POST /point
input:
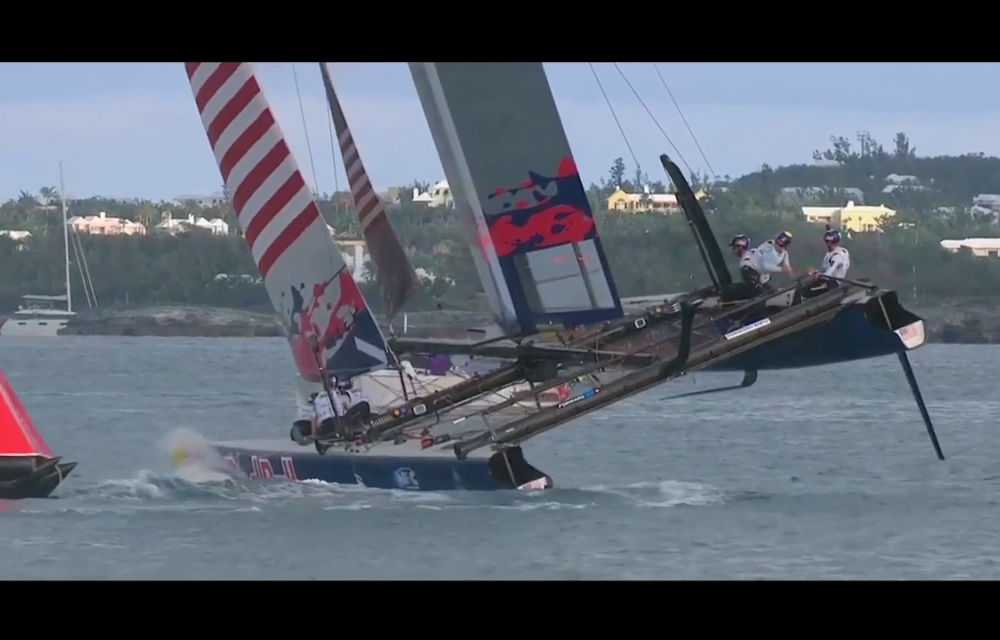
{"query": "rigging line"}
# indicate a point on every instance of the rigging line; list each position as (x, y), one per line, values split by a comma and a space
(331, 256)
(670, 93)
(614, 115)
(305, 128)
(655, 121)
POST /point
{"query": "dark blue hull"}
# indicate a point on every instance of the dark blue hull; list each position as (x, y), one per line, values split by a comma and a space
(848, 336)
(400, 467)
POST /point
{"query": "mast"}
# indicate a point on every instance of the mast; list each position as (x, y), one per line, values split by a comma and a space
(65, 226)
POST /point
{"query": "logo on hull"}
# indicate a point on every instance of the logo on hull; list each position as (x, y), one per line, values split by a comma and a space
(542, 211)
(261, 468)
(406, 478)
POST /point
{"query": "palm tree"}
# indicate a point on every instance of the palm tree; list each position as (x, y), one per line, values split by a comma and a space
(48, 196)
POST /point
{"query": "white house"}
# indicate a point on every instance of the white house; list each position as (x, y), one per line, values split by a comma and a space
(438, 196)
(982, 247)
(170, 225)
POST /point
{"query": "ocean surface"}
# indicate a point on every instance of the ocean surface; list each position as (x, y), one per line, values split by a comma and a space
(822, 473)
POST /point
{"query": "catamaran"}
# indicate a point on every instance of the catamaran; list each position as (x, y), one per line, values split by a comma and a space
(539, 255)
(27, 467)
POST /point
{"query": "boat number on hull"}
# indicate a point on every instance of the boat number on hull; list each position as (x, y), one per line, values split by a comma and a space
(261, 468)
(742, 331)
(406, 478)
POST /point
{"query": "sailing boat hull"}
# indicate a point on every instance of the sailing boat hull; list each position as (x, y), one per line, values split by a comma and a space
(16, 327)
(386, 466)
(23, 477)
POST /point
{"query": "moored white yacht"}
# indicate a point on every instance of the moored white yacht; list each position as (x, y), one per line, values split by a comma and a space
(40, 315)
(37, 317)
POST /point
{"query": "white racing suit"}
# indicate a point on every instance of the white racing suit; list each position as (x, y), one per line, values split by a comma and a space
(326, 412)
(769, 258)
(305, 422)
(750, 284)
(355, 406)
(835, 265)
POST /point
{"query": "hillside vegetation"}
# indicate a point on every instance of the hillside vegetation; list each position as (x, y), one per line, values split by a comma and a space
(650, 253)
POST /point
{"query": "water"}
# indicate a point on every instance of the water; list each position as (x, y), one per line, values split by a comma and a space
(822, 473)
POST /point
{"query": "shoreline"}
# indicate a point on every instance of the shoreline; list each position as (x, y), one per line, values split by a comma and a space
(960, 324)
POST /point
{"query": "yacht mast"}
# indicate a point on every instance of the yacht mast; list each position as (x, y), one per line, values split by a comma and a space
(65, 226)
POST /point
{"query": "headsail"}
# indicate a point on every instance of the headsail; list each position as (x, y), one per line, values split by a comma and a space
(305, 275)
(511, 172)
(396, 276)
(18, 435)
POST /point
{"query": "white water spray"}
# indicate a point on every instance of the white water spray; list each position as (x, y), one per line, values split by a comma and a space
(194, 459)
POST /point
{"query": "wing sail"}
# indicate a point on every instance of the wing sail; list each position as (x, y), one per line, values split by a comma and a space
(305, 274)
(396, 276)
(514, 181)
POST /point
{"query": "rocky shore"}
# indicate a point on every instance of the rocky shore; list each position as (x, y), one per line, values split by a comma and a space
(175, 321)
(977, 323)
(960, 324)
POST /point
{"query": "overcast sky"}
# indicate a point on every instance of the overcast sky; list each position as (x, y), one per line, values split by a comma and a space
(133, 129)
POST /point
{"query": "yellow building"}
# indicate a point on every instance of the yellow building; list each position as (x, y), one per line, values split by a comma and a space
(642, 202)
(856, 218)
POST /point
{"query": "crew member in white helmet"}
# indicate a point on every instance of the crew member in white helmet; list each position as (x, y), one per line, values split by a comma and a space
(329, 408)
(836, 262)
(749, 285)
(305, 420)
(772, 257)
(355, 406)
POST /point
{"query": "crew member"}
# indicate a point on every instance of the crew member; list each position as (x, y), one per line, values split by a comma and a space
(305, 420)
(356, 407)
(328, 409)
(749, 285)
(836, 262)
(772, 257)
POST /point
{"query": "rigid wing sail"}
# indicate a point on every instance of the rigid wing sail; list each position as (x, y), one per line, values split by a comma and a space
(517, 189)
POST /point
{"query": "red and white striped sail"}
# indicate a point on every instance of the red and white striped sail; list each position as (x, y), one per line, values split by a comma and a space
(395, 274)
(304, 272)
(18, 435)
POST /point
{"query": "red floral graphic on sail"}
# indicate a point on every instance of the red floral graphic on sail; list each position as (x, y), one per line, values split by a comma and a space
(544, 211)
(323, 314)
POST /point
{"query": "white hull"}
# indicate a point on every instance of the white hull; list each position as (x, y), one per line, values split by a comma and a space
(32, 328)
(385, 389)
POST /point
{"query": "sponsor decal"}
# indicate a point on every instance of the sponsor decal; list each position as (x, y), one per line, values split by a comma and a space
(742, 331)
(406, 478)
(261, 468)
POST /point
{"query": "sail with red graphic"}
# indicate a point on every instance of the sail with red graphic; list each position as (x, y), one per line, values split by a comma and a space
(518, 191)
(18, 435)
(304, 272)
(394, 272)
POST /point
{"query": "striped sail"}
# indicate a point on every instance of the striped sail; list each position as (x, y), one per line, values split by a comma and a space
(327, 319)
(395, 274)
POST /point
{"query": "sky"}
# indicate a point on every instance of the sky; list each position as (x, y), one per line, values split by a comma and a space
(132, 129)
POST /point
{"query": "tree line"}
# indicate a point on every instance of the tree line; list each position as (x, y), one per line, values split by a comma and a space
(649, 253)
